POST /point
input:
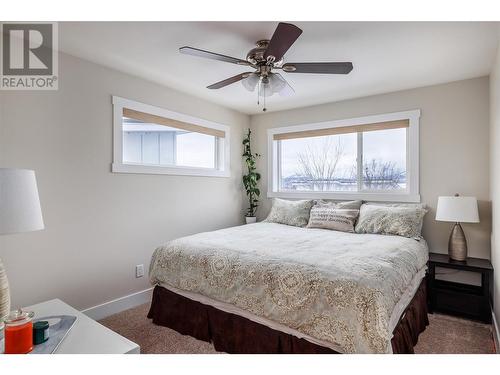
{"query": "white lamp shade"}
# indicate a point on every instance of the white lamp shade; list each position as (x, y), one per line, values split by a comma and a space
(19, 202)
(457, 209)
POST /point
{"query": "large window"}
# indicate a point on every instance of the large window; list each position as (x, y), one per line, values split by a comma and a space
(373, 158)
(149, 139)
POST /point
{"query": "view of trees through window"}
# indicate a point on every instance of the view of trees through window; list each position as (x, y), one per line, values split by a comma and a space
(329, 163)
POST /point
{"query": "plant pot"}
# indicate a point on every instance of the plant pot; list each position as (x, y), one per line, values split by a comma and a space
(250, 219)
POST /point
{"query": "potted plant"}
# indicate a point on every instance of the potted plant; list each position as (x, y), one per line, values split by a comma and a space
(251, 179)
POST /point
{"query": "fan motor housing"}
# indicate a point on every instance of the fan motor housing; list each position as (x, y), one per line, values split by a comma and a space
(256, 55)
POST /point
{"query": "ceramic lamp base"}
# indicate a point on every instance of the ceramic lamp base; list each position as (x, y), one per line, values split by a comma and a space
(4, 294)
(457, 245)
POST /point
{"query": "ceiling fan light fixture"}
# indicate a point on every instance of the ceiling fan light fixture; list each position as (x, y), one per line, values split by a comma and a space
(250, 82)
(276, 83)
(271, 84)
(266, 57)
(265, 88)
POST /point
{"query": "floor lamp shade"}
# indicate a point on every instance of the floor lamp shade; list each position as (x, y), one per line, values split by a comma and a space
(19, 212)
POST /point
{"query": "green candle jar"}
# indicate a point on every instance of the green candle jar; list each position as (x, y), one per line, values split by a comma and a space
(40, 332)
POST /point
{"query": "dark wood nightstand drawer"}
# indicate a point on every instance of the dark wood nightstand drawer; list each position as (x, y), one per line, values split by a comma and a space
(456, 303)
(468, 301)
(458, 287)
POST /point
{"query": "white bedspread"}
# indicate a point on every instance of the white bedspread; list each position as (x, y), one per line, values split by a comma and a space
(339, 288)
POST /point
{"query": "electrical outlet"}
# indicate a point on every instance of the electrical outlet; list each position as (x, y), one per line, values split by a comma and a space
(139, 270)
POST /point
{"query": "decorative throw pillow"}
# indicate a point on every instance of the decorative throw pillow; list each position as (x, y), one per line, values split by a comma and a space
(400, 221)
(327, 216)
(352, 205)
(403, 205)
(294, 213)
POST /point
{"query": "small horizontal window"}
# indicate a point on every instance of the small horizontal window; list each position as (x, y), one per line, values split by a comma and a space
(153, 140)
(372, 158)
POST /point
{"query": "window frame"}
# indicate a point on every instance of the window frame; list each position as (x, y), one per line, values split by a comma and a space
(410, 194)
(222, 145)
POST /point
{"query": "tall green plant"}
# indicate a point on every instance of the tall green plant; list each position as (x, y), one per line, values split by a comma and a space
(251, 179)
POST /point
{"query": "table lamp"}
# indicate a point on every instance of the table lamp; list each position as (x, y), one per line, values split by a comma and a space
(19, 212)
(457, 209)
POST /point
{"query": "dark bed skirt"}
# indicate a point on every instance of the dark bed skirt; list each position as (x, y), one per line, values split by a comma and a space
(232, 333)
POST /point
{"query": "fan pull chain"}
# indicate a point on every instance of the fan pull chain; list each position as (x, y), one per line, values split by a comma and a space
(258, 93)
(258, 96)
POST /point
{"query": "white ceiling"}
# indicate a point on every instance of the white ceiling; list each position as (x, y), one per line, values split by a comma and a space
(387, 56)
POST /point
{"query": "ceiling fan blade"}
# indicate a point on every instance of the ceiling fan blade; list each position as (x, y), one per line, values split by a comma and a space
(318, 67)
(287, 90)
(283, 38)
(212, 55)
(229, 81)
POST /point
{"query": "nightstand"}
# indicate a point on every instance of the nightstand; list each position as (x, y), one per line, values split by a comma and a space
(86, 336)
(468, 301)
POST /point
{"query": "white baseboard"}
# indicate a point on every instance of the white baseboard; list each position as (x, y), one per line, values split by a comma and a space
(496, 334)
(118, 305)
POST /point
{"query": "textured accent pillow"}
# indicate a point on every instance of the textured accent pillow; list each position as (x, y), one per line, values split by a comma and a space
(400, 221)
(327, 216)
(353, 205)
(404, 205)
(294, 213)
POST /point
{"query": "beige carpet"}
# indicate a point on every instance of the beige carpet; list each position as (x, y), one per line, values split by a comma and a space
(445, 334)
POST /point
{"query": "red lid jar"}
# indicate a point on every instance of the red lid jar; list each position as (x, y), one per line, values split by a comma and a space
(19, 332)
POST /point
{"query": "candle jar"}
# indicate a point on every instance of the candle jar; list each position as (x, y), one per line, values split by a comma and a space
(18, 332)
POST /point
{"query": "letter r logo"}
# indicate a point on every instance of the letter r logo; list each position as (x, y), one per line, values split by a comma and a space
(27, 49)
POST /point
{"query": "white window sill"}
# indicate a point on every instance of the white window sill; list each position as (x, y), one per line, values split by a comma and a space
(171, 170)
(366, 196)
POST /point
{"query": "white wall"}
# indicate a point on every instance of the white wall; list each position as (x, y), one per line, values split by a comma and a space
(495, 176)
(99, 225)
(454, 152)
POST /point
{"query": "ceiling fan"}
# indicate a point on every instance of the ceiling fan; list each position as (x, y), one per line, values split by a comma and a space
(265, 58)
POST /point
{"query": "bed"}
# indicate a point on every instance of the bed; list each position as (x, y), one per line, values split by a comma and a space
(277, 288)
